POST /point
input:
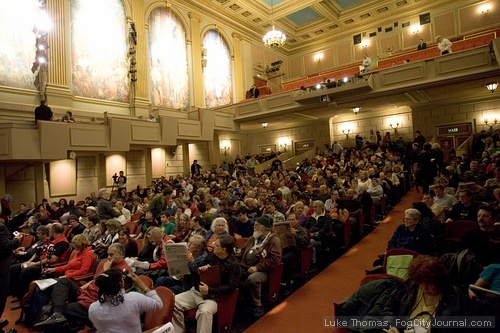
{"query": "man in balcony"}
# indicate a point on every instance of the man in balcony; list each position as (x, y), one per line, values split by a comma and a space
(443, 44)
(43, 112)
(421, 45)
(365, 65)
(254, 92)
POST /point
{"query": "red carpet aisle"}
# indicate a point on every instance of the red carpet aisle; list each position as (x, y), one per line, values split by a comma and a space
(305, 310)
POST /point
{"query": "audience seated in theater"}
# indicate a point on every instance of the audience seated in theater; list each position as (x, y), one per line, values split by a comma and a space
(291, 254)
(375, 191)
(155, 265)
(166, 224)
(104, 207)
(495, 181)
(119, 206)
(485, 241)
(444, 200)
(219, 227)
(273, 212)
(319, 225)
(411, 235)
(438, 210)
(195, 228)
(80, 264)
(76, 227)
(261, 253)
(70, 303)
(23, 254)
(93, 230)
(21, 275)
(130, 245)
(474, 174)
(144, 223)
(202, 296)
(465, 208)
(108, 237)
(244, 226)
(427, 292)
(195, 255)
(182, 228)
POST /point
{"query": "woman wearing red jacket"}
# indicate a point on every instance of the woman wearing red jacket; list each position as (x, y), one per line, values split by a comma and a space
(82, 263)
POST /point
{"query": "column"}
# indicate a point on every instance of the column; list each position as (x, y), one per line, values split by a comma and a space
(58, 78)
(148, 166)
(197, 78)
(186, 165)
(238, 68)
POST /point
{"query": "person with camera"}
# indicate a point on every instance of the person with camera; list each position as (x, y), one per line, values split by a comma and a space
(121, 182)
(6, 246)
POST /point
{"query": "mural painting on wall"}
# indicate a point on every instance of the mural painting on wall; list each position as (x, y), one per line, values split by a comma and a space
(168, 60)
(217, 79)
(99, 49)
(17, 40)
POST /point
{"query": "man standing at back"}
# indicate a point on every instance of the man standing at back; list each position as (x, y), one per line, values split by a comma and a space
(195, 168)
(43, 112)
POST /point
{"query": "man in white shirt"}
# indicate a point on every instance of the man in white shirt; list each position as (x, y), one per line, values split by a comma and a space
(126, 213)
(366, 63)
(444, 200)
(443, 44)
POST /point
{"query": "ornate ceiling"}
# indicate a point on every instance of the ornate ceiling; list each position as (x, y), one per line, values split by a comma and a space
(314, 21)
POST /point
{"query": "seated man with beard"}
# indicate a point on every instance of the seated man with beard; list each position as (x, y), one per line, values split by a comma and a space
(261, 253)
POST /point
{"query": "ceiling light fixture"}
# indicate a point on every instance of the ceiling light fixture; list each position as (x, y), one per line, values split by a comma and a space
(264, 124)
(355, 109)
(274, 38)
(492, 86)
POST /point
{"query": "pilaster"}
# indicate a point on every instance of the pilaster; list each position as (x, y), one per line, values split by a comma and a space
(238, 67)
(199, 100)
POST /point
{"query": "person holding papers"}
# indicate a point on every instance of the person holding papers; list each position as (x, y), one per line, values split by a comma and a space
(202, 296)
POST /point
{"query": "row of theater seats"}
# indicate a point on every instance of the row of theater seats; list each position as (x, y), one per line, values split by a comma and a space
(461, 43)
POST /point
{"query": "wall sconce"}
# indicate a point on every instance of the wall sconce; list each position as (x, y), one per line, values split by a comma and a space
(416, 30)
(485, 9)
(264, 124)
(226, 146)
(355, 109)
(346, 131)
(318, 57)
(394, 127)
(283, 145)
(492, 86)
(492, 123)
(364, 45)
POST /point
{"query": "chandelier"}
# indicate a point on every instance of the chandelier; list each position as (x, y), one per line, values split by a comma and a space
(274, 38)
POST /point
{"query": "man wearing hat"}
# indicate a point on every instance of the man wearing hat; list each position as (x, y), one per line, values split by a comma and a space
(261, 253)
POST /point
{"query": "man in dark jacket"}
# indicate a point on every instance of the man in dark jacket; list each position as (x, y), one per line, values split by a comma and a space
(104, 207)
(319, 225)
(202, 296)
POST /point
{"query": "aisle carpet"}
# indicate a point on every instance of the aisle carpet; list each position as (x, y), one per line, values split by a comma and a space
(311, 306)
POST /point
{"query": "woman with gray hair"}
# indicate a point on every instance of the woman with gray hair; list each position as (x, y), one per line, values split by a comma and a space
(219, 227)
(411, 235)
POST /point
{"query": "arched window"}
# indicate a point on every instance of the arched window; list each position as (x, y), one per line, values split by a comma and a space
(99, 49)
(217, 80)
(169, 85)
(17, 40)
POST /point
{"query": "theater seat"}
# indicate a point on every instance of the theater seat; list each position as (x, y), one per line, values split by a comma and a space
(223, 320)
(163, 315)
